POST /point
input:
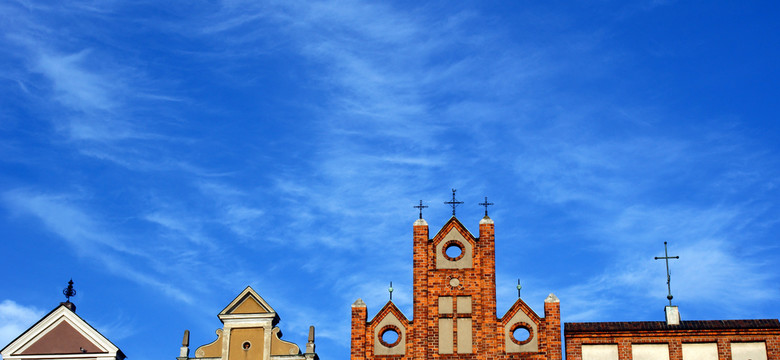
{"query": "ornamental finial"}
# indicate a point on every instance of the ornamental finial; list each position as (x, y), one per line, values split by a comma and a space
(69, 292)
(390, 289)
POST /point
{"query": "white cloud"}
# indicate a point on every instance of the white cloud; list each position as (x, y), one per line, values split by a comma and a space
(16, 318)
(77, 87)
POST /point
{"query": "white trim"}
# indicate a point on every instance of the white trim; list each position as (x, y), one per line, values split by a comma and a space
(44, 326)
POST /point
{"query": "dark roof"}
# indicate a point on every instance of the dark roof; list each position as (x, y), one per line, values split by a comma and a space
(661, 325)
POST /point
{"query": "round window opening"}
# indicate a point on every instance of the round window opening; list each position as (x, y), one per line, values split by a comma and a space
(521, 334)
(246, 345)
(453, 250)
(390, 336)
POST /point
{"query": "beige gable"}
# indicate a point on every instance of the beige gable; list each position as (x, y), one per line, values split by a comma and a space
(247, 302)
(248, 306)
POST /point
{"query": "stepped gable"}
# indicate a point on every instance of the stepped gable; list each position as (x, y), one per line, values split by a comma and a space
(454, 306)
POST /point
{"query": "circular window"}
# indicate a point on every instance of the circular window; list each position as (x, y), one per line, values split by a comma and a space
(390, 336)
(521, 333)
(246, 345)
(453, 250)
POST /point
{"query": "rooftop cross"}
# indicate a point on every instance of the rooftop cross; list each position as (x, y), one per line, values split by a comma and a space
(453, 202)
(69, 292)
(668, 276)
(421, 206)
(486, 204)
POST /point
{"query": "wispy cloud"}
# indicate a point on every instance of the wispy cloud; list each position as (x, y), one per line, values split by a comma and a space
(16, 318)
(86, 235)
(77, 87)
(716, 266)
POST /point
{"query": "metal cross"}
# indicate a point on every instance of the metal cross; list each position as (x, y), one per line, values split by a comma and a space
(668, 276)
(421, 206)
(453, 202)
(69, 292)
(486, 204)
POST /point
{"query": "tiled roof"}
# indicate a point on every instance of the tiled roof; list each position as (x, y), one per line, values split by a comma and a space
(661, 325)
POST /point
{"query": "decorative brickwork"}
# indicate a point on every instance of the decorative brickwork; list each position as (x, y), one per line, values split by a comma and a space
(454, 311)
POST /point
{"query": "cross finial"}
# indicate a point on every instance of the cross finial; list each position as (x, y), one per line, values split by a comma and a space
(390, 289)
(486, 204)
(69, 292)
(421, 206)
(454, 203)
(668, 276)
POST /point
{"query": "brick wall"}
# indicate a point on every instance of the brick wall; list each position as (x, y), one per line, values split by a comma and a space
(723, 334)
(478, 282)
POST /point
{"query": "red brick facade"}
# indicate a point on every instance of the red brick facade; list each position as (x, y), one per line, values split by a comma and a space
(720, 332)
(454, 310)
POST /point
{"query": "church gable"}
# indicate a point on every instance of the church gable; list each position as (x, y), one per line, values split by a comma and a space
(454, 225)
(454, 305)
(389, 331)
(521, 328)
(454, 246)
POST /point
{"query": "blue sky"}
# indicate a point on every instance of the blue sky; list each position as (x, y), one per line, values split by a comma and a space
(167, 154)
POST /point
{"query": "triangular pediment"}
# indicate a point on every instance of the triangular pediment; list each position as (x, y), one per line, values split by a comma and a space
(521, 307)
(61, 332)
(454, 225)
(389, 310)
(249, 305)
(62, 338)
(247, 302)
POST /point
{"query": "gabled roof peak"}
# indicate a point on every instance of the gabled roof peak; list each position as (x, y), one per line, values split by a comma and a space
(454, 223)
(61, 331)
(247, 302)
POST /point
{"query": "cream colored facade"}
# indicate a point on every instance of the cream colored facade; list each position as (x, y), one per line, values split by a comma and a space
(249, 332)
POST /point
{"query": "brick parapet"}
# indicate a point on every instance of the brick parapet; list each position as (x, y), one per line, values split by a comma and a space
(421, 263)
(358, 341)
(674, 338)
(552, 322)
